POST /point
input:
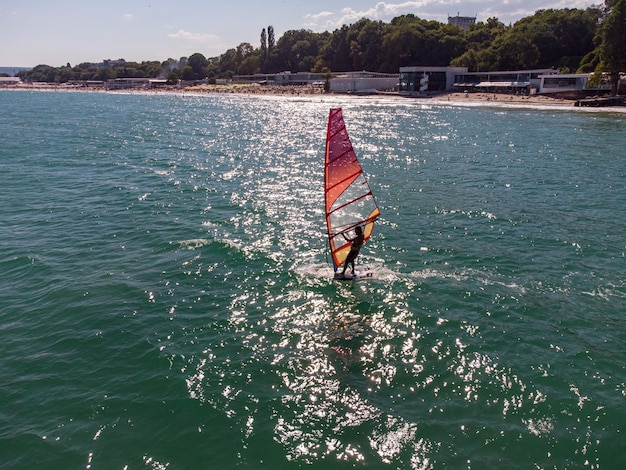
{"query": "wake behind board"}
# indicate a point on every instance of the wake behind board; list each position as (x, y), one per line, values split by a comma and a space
(359, 275)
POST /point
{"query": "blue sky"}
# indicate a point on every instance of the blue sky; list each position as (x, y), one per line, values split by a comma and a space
(49, 32)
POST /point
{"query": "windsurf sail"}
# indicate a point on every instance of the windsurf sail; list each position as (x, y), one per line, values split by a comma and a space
(349, 200)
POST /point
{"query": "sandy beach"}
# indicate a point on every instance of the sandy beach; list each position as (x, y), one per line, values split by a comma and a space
(452, 98)
(499, 100)
(506, 99)
(490, 98)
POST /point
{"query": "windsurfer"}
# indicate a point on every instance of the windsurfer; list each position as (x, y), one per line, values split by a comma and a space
(357, 243)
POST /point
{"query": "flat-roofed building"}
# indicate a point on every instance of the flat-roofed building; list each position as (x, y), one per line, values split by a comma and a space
(463, 22)
(10, 81)
(130, 83)
(507, 81)
(417, 79)
(570, 82)
(340, 82)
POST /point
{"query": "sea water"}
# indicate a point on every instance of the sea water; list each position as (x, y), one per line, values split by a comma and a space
(166, 298)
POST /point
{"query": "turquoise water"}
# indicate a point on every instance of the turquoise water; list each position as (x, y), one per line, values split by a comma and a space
(165, 299)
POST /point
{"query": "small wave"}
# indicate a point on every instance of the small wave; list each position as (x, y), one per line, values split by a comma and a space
(317, 270)
(509, 285)
(470, 214)
(325, 271)
(603, 293)
(434, 273)
(232, 244)
(194, 243)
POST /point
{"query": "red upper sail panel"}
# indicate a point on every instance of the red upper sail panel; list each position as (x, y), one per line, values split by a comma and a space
(342, 166)
(348, 199)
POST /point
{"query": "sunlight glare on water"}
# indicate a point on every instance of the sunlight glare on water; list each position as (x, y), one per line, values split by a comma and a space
(404, 362)
(184, 312)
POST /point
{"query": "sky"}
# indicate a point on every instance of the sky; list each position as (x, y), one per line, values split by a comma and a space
(55, 33)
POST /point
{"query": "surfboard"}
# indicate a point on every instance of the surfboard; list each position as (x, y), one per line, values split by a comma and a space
(359, 275)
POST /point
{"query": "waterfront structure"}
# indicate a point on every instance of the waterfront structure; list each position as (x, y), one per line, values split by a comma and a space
(419, 79)
(10, 81)
(425, 80)
(571, 84)
(282, 78)
(133, 83)
(364, 82)
(509, 81)
(340, 82)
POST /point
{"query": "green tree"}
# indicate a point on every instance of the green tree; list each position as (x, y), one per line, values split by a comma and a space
(326, 75)
(409, 40)
(297, 51)
(104, 74)
(271, 41)
(173, 77)
(85, 71)
(228, 63)
(334, 53)
(485, 34)
(264, 43)
(244, 50)
(187, 73)
(442, 43)
(365, 38)
(198, 64)
(250, 65)
(562, 37)
(402, 41)
(479, 54)
(613, 48)
(516, 51)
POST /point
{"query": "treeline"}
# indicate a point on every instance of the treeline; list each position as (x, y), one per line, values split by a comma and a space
(572, 40)
(92, 72)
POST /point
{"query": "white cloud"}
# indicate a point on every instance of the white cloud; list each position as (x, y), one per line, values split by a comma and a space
(384, 11)
(197, 38)
(316, 20)
(507, 11)
(380, 11)
(127, 17)
(319, 16)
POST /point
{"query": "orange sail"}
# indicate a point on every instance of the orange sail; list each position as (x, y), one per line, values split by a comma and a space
(349, 200)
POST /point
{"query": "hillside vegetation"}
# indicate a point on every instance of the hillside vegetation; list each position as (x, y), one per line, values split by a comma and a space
(571, 40)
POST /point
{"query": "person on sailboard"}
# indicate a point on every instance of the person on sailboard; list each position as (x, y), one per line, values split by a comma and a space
(357, 243)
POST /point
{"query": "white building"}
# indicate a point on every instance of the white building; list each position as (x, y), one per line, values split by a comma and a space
(569, 83)
(10, 81)
(503, 81)
(363, 82)
(463, 22)
(341, 82)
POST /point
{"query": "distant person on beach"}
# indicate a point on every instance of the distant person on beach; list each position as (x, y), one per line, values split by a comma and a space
(357, 243)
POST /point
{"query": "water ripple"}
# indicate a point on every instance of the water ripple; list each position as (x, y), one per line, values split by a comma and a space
(166, 298)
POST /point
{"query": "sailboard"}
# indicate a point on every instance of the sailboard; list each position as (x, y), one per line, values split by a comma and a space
(349, 202)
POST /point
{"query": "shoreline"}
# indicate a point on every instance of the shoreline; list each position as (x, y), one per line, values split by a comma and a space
(482, 100)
